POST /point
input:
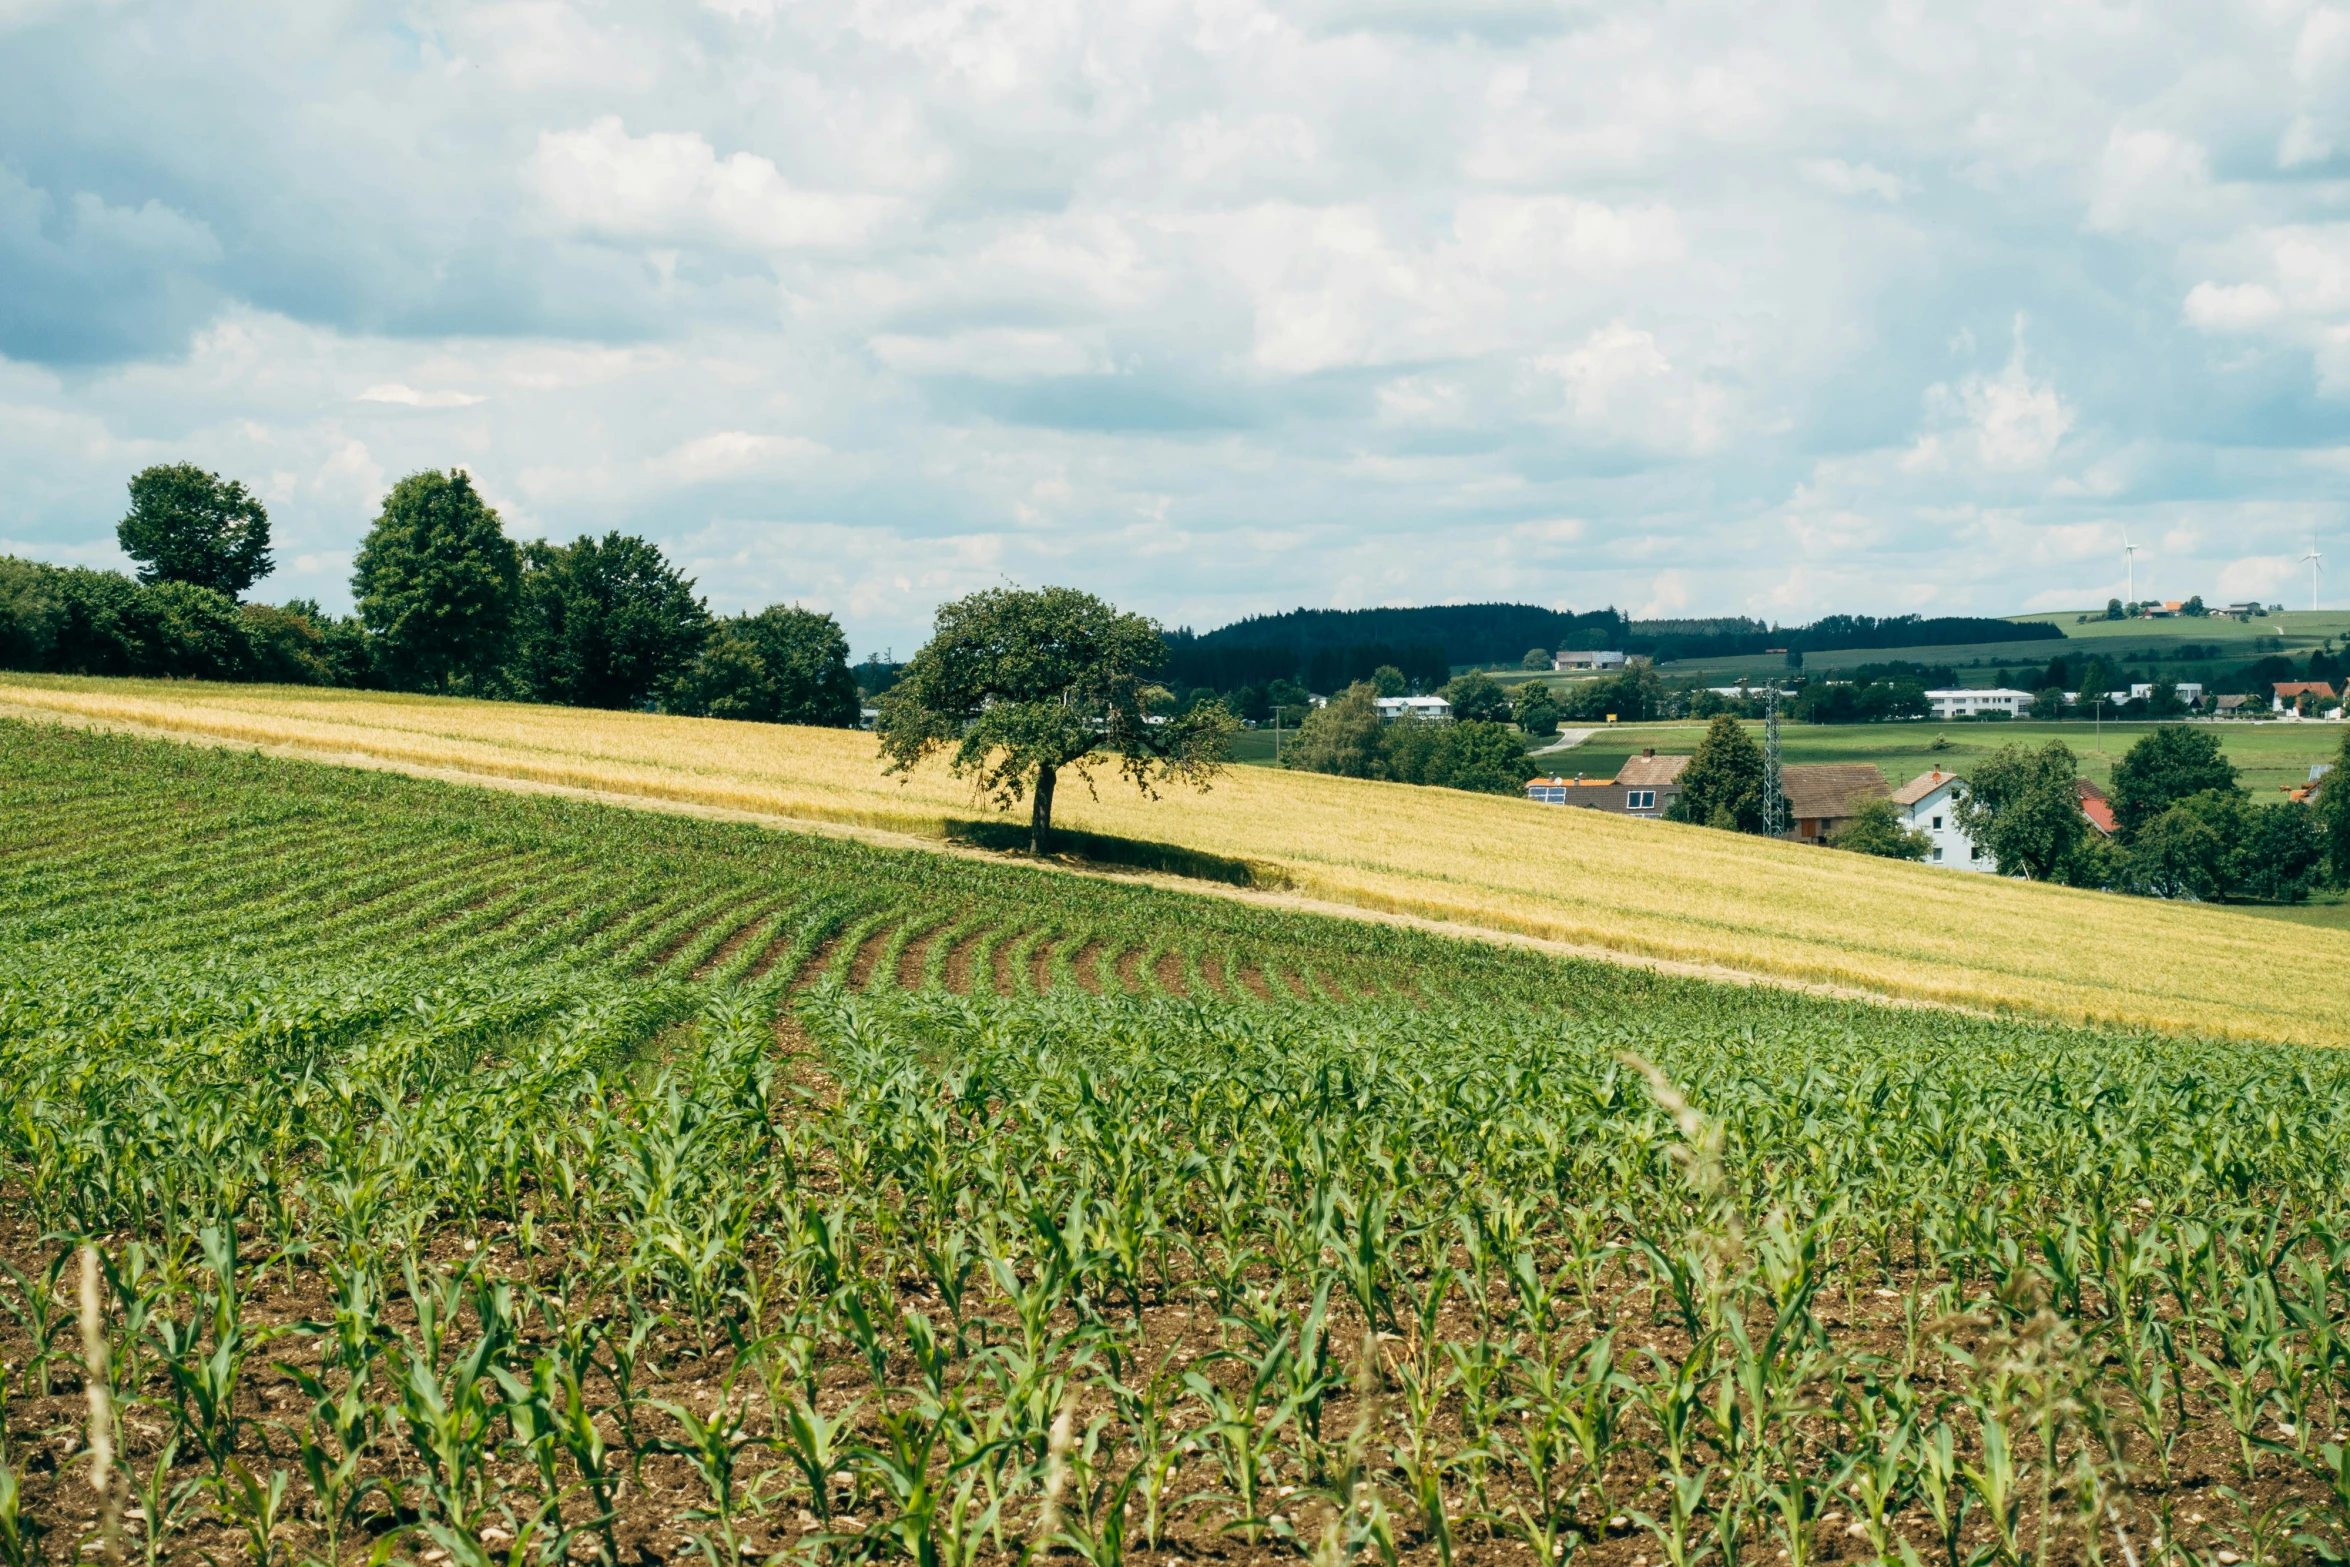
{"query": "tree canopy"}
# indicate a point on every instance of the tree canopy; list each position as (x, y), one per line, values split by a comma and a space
(1875, 828)
(436, 582)
(1477, 697)
(2023, 809)
(186, 525)
(1016, 685)
(2166, 766)
(784, 665)
(604, 623)
(1723, 784)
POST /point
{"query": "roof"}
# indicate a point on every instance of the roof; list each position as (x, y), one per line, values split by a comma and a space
(1648, 772)
(1984, 693)
(2296, 687)
(1922, 785)
(1829, 789)
(1411, 701)
(2096, 807)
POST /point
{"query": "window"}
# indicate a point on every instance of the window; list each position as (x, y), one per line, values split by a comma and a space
(1937, 824)
(1974, 852)
(1639, 799)
(1937, 851)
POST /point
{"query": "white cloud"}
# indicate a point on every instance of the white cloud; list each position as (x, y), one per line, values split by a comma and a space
(1854, 179)
(993, 353)
(1215, 307)
(409, 397)
(672, 187)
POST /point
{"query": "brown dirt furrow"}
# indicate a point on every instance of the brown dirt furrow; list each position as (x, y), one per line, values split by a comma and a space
(733, 945)
(673, 948)
(1254, 981)
(1040, 967)
(1298, 986)
(1129, 970)
(1086, 965)
(1212, 975)
(1006, 982)
(915, 957)
(777, 945)
(959, 963)
(1169, 971)
(819, 961)
(868, 956)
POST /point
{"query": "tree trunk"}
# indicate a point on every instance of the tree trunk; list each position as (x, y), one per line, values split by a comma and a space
(1040, 814)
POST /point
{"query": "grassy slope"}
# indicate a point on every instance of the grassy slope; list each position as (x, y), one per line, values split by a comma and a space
(1602, 882)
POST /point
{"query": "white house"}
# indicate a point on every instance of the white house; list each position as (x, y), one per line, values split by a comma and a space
(1426, 709)
(1967, 703)
(1582, 659)
(2190, 692)
(1928, 804)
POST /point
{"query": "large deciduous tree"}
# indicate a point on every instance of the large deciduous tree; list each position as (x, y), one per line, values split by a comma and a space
(604, 623)
(2023, 808)
(186, 525)
(784, 665)
(2169, 765)
(1018, 685)
(1723, 784)
(1477, 698)
(436, 582)
(1344, 737)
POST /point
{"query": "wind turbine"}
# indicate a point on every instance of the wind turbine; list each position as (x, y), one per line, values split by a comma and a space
(2130, 559)
(2312, 561)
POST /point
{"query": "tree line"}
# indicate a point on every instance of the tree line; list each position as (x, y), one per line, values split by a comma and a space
(443, 601)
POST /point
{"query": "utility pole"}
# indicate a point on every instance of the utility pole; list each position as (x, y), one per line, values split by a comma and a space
(1773, 826)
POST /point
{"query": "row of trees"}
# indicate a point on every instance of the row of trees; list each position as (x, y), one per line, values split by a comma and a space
(1349, 738)
(444, 600)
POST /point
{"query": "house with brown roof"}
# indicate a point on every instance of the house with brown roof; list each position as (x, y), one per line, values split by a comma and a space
(1644, 786)
(1822, 796)
(2288, 693)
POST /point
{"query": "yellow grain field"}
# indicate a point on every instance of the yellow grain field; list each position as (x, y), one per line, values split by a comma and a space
(1642, 888)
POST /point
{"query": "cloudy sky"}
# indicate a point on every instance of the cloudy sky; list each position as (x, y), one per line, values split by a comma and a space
(1211, 306)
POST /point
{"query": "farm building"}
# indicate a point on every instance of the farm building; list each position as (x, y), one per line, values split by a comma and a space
(2096, 807)
(1821, 796)
(1965, 702)
(1586, 659)
(1644, 786)
(1422, 709)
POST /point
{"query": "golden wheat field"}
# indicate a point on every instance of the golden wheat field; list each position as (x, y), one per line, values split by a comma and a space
(1647, 889)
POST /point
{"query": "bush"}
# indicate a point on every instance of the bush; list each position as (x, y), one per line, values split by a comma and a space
(1876, 829)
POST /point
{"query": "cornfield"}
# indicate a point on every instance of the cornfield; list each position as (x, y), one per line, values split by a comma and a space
(401, 1172)
(1606, 884)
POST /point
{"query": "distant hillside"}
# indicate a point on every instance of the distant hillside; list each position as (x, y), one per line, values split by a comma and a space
(1324, 648)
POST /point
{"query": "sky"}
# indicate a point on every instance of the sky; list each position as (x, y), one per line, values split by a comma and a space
(1212, 307)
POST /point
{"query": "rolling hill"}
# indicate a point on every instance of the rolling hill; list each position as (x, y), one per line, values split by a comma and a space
(1632, 889)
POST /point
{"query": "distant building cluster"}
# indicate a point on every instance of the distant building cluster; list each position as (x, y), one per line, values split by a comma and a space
(1822, 798)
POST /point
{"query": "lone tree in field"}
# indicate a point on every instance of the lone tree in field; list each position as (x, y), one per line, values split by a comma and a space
(186, 525)
(1019, 685)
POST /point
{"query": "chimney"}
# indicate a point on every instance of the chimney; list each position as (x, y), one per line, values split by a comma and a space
(1649, 751)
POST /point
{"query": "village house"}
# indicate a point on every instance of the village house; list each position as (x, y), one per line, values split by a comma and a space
(2096, 807)
(1928, 804)
(1423, 709)
(2287, 694)
(1586, 659)
(1644, 786)
(1822, 796)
